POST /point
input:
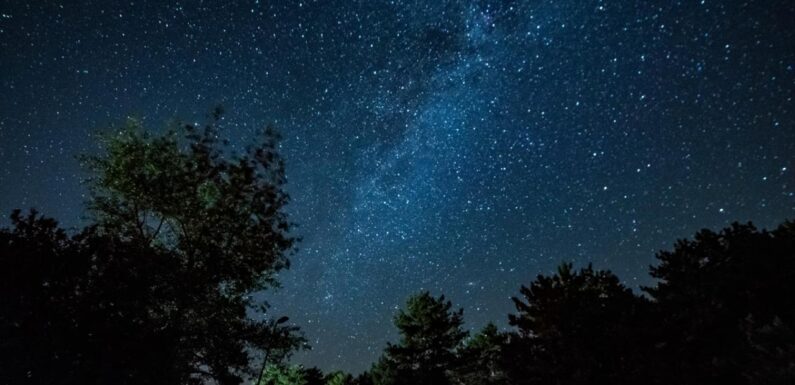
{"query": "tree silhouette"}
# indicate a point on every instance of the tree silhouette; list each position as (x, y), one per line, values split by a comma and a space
(772, 353)
(364, 378)
(219, 220)
(717, 295)
(314, 376)
(76, 309)
(27, 315)
(383, 372)
(481, 358)
(719, 314)
(575, 327)
(159, 289)
(222, 217)
(430, 332)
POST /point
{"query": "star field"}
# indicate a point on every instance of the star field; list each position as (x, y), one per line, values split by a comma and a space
(458, 147)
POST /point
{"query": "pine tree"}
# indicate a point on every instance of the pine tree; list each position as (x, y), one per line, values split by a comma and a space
(430, 333)
(481, 359)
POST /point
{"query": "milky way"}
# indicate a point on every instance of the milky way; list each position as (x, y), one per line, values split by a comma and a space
(457, 147)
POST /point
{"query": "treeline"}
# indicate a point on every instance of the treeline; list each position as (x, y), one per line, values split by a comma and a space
(157, 289)
(722, 313)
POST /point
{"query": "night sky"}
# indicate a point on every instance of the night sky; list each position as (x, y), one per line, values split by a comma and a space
(458, 147)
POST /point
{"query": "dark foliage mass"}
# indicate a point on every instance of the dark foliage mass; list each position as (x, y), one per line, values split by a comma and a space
(158, 290)
(724, 305)
(722, 313)
(430, 332)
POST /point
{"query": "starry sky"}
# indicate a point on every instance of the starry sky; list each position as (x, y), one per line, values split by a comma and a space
(460, 147)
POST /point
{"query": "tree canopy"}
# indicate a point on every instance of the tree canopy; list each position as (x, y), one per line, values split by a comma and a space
(158, 289)
(720, 298)
(430, 332)
(718, 314)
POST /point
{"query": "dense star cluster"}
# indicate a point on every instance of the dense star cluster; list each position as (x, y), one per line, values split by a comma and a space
(453, 146)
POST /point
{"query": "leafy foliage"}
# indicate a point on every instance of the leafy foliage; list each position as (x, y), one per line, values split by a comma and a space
(221, 216)
(283, 375)
(159, 289)
(339, 378)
